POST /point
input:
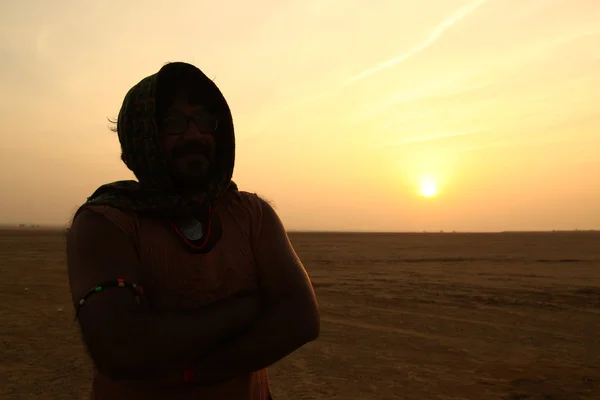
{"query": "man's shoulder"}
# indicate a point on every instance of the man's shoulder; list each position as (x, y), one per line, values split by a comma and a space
(242, 198)
(247, 204)
(252, 201)
(89, 217)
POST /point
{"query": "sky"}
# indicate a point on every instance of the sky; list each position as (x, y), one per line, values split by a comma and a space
(345, 110)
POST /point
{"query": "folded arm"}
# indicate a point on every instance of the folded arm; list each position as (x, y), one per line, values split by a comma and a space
(127, 340)
(289, 315)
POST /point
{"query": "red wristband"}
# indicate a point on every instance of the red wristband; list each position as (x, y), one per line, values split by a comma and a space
(188, 375)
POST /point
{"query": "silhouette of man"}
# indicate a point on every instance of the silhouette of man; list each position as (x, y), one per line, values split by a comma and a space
(185, 287)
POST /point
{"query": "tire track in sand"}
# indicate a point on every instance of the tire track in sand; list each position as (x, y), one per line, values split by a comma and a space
(381, 328)
(557, 335)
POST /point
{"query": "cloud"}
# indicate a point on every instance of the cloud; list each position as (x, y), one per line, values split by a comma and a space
(431, 138)
(431, 39)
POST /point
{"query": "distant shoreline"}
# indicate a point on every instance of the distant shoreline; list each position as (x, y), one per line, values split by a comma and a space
(29, 228)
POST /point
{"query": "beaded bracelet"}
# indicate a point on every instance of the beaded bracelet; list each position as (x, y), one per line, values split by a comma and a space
(135, 289)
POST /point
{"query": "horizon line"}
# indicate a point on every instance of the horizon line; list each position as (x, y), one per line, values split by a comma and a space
(338, 231)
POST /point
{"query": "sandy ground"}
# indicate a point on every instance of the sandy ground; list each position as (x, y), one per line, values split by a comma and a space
(406, 316)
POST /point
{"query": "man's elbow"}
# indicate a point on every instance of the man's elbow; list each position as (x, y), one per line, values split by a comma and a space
(114, 358)
(308, 320)
(113, 372)
(313, 330)
(109, 364)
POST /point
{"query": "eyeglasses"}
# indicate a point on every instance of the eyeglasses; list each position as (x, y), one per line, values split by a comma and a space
(178, 125)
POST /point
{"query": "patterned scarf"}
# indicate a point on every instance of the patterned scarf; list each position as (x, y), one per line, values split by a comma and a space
(153, 193)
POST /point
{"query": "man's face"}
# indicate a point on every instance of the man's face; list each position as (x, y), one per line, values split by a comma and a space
(187, 133)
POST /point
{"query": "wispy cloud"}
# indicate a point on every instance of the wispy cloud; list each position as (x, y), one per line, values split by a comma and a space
(431, 39)
(431, 138)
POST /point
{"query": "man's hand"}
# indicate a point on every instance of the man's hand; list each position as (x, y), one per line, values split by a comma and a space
(288, 320)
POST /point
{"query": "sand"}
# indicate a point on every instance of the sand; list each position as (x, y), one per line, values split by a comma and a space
(404, 316)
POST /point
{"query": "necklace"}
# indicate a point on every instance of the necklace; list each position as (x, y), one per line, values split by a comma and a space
(191, 228)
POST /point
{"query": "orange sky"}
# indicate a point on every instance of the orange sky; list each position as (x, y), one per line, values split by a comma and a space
(341, 106)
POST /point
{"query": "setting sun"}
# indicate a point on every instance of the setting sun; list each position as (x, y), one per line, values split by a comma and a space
(428, 186)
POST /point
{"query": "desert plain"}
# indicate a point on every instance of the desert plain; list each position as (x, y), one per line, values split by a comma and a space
(415, 316)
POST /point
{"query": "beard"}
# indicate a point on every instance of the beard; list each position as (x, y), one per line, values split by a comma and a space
(191, 172)
(192, 165)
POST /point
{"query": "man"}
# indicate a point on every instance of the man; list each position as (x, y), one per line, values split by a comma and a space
(184, 286)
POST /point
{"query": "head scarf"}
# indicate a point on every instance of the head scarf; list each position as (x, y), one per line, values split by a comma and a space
(153, 193)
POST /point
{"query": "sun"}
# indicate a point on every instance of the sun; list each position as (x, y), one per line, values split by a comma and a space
(428, 186)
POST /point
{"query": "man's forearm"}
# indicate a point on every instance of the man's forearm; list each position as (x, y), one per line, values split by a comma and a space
(160, 343)
(274, 335)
